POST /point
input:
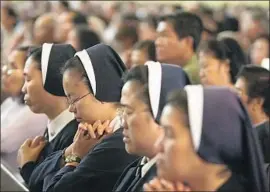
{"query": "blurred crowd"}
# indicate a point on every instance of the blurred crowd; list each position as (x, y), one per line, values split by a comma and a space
(198, 46)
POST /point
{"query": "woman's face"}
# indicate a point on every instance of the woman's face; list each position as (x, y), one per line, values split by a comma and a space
(35, 94)
(259, 51)
(212, 70)
(12, 73)
(138, 57)
(82, 103)
(175, 148)
(72, 39)
(140, 130)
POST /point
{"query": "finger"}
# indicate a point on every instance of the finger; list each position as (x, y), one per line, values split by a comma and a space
(96, 124)
(147, 187)
(41, 145)
(167, 185)
(27, 143)
(91, 131)
(180, 186)
(156, 185)
(37, 140)
(100, 129)
(186, 188)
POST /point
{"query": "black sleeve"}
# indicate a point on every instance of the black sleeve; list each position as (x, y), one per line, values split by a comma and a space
(90, 174)
(50, 165)
(98, 171)
(27, 170)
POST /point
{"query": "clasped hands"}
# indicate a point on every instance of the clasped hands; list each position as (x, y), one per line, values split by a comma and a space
(158, 184)
(88, 136)
(85, 138)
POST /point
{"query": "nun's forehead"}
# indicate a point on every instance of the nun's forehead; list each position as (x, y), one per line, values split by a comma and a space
(31, 63)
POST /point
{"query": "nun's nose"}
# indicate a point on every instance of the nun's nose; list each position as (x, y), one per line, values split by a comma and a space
(24, 88)
(159, 143)
(71, 108)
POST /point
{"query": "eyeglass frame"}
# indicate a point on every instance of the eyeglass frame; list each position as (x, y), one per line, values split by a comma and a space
(78, 99)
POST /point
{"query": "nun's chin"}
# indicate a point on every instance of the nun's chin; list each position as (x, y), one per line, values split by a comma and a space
(35, 109)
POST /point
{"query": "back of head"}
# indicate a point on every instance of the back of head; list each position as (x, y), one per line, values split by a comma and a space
(79, 19)
(87, 37)
(149, 47)
(127, 31)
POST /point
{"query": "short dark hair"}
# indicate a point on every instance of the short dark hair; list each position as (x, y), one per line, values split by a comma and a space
(127, 31)
(139, 74)
(226, 48)
(257, 84)
(149, 46)
(87, 37)
(75, 63)
(79, 19)
(186, 24)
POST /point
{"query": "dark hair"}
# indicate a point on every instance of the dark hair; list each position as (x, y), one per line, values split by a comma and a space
(87, 37)
(75, 64)
(186, 24)
(179, 100)
(127, 31)
(79, 19)
(149, 46)
(36, 53)
(230, 24)
(257, 84)
(139, 74)
(224, 49)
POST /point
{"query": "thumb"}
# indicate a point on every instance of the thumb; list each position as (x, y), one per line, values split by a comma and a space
(27, 142)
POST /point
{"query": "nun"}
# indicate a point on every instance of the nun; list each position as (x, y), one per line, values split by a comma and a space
(143, 97)
(43, 90)
(93, 162)
(209, 143)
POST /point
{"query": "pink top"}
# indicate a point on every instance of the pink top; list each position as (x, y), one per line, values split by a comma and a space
(19, 123)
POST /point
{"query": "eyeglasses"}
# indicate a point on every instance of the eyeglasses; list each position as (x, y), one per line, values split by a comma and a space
(76, 100)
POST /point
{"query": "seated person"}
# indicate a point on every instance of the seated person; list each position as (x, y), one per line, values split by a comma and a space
(42, 88)
(143, 97)
(18, 122)
(205, 148)
(98, 153)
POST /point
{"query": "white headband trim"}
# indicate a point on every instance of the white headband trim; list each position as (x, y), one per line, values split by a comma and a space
(87, 64)
(45, 56)
(195, 112)
(154, 85)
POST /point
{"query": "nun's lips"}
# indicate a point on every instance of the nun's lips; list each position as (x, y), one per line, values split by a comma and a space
(126, 138)
(78, 119)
